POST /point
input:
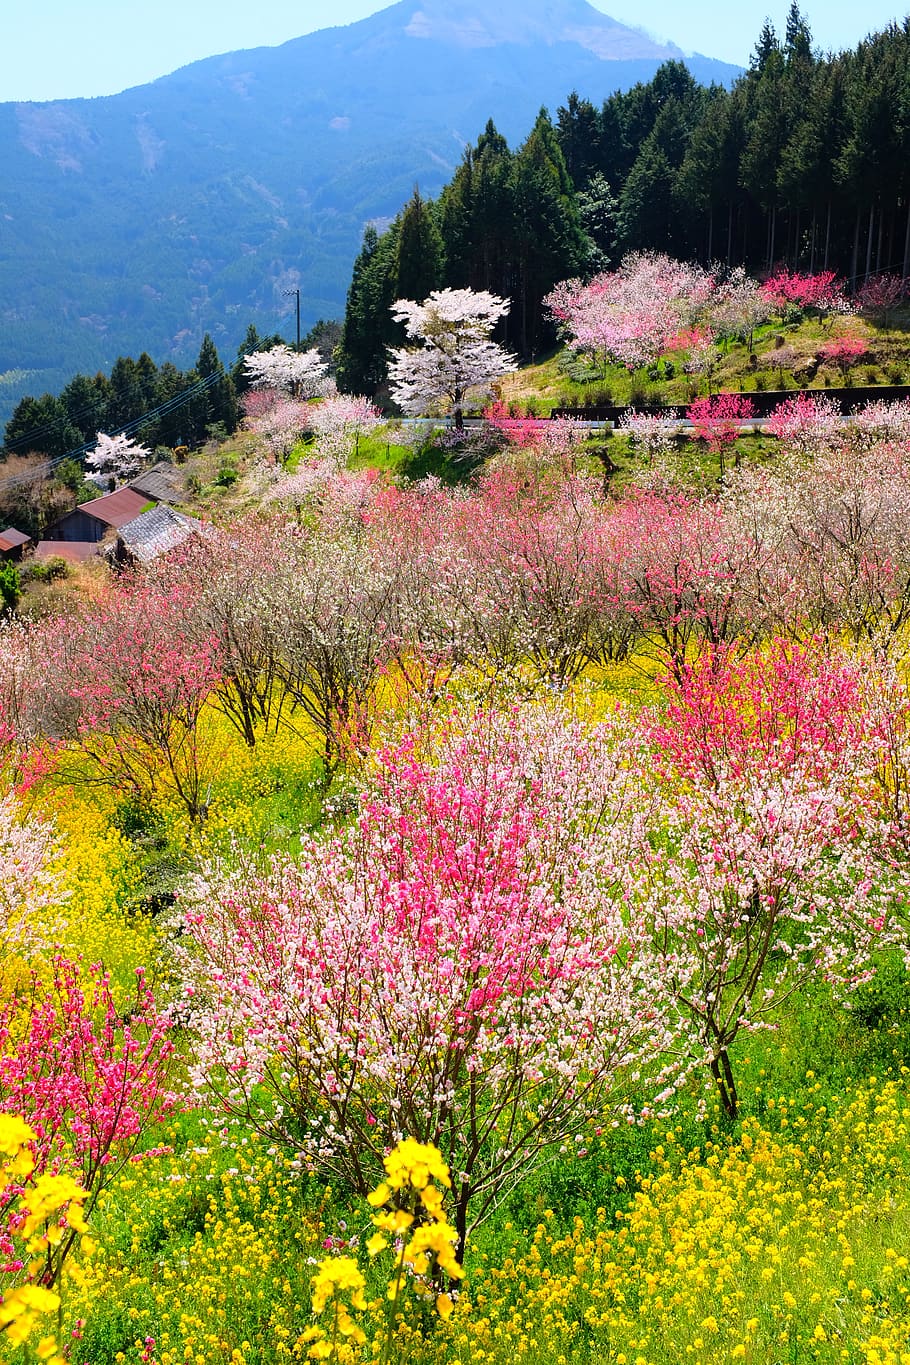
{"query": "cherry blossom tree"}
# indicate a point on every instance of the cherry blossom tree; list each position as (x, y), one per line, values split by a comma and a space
(119, 456)
(303, 374)
(456, 354)
(457, 965)
(340, 421)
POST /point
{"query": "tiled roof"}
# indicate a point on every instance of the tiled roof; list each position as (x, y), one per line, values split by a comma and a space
(163, 482)
(155, 532)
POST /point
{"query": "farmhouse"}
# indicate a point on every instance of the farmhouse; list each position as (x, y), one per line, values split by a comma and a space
(91, 521)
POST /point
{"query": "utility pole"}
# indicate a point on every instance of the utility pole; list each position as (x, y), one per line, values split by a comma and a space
(296, 292)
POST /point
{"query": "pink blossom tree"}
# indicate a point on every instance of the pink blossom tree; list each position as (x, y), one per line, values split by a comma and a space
(737, 306)
(806, 424)
(335, 614)
(341, 421)
(31, 907)
(702, 354)
(456, 354)
(629, 316)
(880, 423)
(128, 683)
(278, 421)
(687, 573)
(880, 295)
(458, 965)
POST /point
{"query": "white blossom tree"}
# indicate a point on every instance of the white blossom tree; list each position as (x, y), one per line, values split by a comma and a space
(303, 374)
(340, 421)
(456, 353)
(118, 456)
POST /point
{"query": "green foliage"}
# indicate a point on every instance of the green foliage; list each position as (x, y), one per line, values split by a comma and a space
(10, 587)
(54, 426)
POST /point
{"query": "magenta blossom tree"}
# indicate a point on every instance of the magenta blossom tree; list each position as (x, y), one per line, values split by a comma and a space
(844, 353)
(880, 295)
(717, 421)
(88, 1075)
(767, 872)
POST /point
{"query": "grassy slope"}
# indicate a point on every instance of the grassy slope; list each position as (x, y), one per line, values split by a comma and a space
(559, 380)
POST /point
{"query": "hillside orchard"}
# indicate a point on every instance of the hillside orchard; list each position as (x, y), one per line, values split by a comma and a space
(464, 918)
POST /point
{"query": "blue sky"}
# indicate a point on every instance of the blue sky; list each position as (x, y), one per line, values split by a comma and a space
(56, 49)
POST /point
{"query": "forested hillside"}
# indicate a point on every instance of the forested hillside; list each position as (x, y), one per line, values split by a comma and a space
(803, 162)
(141, 221)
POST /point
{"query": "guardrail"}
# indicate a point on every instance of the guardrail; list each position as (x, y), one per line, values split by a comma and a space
(764, 401)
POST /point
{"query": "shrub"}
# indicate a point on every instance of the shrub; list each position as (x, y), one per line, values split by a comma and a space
(10, 588)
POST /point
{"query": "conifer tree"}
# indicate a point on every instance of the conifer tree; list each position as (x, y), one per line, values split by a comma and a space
(420, 262)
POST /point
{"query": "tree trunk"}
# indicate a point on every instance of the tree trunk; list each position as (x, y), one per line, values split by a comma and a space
(827, 235)
(726, 1086)
(906, 268)
(796, 250)
(730, 232)
(869, 240)
(854, 269)
(710, 232)
(812, 240)
(461, 1222)
(878, 249)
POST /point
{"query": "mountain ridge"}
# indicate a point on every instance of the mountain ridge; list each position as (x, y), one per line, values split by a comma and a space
(190, 204)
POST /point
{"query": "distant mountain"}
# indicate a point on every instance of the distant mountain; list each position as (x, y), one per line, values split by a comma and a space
(142, 220)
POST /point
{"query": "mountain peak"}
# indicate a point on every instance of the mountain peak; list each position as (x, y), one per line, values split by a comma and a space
(476, 23)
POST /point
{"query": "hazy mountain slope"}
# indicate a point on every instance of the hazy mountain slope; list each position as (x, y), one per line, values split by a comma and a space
(143, 219)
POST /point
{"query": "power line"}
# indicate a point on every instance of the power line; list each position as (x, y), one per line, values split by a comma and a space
(128, 429)
(36, 433)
